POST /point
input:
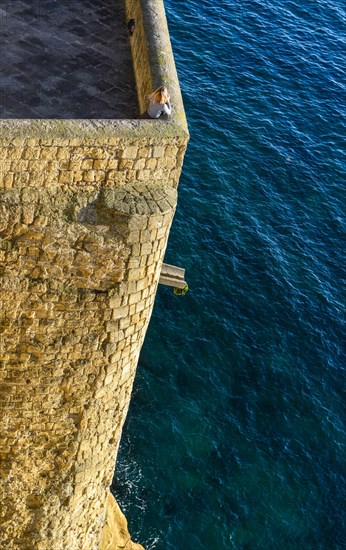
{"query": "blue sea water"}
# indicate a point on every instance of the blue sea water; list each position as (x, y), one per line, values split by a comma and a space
(235, 437)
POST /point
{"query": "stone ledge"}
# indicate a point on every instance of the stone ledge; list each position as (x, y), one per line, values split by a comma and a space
(98, 131)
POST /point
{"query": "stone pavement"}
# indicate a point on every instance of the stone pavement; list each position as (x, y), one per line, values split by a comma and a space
(65, 59)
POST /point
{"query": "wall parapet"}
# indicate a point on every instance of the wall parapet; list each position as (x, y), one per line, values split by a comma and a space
(153, 65)
(153, 58)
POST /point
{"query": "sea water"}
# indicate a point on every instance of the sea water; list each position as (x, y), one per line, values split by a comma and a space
(235, 435)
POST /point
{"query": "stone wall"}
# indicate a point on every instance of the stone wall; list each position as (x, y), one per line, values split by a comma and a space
(85, 213)
(140, 54)
(71, 163)
(152, 55)
(80, 260)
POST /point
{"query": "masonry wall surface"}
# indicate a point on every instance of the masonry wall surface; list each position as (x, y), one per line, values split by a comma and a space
(85, 213)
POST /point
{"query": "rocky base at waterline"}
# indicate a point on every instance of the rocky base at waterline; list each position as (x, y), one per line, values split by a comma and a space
(115, 535)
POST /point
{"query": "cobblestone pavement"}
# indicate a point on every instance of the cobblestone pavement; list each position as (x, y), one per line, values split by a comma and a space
(65, 59)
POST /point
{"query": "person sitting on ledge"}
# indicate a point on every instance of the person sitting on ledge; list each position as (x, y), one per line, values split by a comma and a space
(159, 103)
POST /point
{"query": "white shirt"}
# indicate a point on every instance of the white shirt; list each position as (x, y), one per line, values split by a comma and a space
(156, 109)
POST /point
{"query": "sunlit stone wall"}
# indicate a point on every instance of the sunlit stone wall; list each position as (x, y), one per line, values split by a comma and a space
(85, 213)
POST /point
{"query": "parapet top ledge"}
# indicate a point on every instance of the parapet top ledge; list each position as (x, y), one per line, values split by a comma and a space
(163, 70)
(94, 130)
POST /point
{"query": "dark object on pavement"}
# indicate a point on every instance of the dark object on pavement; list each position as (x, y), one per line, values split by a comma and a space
(131, 26)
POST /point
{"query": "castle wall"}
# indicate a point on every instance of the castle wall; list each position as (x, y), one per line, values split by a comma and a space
(85, 213)
(140, 53)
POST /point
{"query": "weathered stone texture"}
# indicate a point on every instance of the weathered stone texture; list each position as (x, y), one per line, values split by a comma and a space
(140, 53)
(80, 262)
(74, 164)
(85, 213)
(115, 535)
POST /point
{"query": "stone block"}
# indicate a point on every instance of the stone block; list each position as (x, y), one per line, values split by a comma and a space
(100, 164)
(112, 164)
(129, 152)
(144, 152)
(63, 153)
(158, 151)
(120, 312)
(134, 298)
(171, 151)
(146, 248)
(143, 175)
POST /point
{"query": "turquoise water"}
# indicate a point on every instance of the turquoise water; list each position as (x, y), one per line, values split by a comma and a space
(235, 435)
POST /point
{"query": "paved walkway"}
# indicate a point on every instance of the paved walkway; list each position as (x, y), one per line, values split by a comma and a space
(65, 59)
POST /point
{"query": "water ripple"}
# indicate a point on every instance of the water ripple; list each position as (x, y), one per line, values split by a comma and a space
(236, 434)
